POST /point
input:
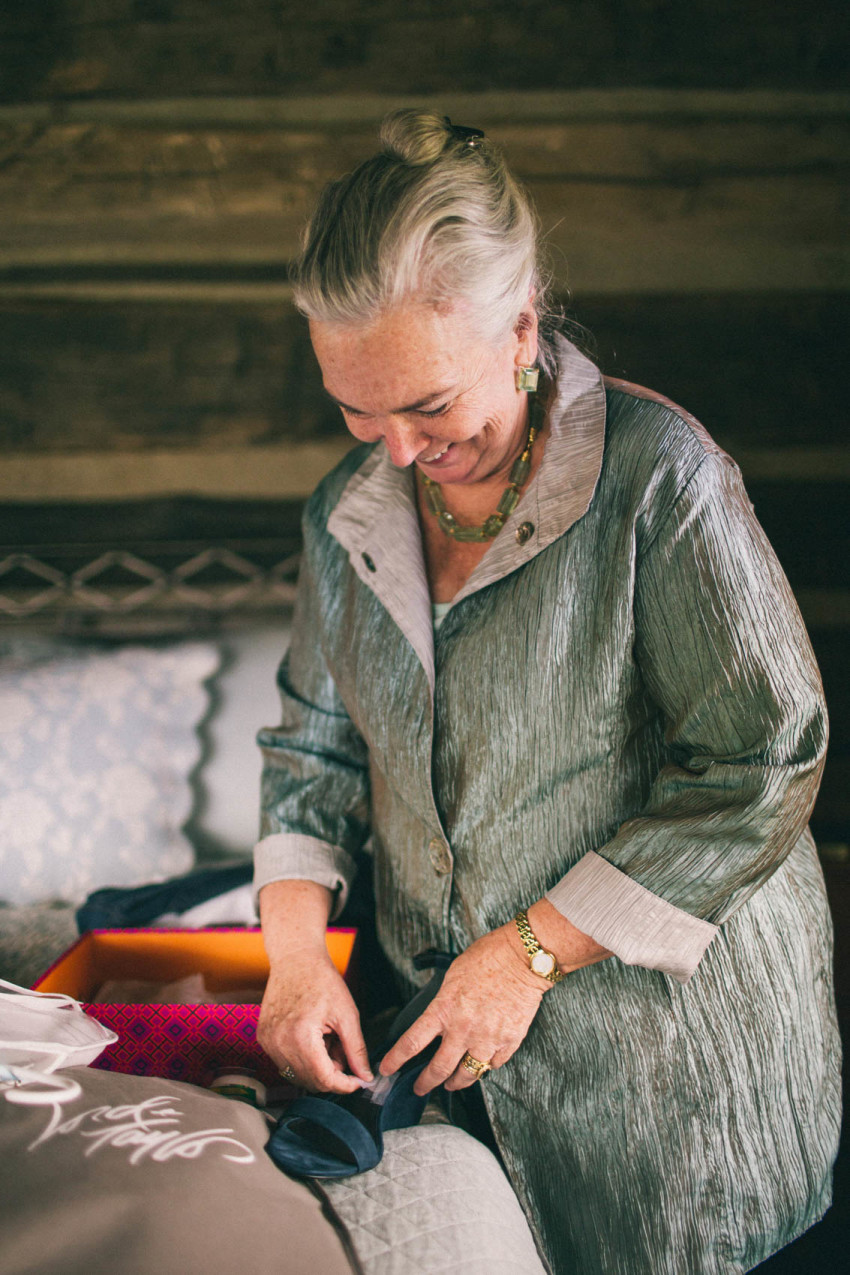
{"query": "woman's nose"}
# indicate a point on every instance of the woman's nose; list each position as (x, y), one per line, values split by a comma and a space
(404, 442)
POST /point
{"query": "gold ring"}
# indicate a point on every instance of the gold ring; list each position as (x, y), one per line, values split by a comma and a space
(288, 1073)
(475, 1065)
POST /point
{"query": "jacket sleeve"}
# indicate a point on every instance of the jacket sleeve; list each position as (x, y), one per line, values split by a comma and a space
(725, 655)
(315, 779)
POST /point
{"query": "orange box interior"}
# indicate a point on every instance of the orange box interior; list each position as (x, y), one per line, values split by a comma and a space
(226, 958)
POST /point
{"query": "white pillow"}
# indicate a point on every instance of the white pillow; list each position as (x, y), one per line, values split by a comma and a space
(97, 746)
(227, 819)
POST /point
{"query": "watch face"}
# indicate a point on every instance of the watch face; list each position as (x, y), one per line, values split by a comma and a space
(543, 963)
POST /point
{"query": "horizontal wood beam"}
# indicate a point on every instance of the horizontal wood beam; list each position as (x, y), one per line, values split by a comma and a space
(75, 49)
(349, 112)
(92, 286)
(281, 472)
(289, 470)
(705, 193)
(219, 369)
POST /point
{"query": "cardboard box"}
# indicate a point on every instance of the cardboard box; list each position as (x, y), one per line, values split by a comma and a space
(181, 1042)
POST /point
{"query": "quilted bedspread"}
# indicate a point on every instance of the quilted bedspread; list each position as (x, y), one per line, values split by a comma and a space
(438, 1202)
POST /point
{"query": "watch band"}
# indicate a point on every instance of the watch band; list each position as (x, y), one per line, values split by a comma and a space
(542, 962)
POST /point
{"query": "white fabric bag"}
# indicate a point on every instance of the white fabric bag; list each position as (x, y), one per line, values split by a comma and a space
(41, 1032)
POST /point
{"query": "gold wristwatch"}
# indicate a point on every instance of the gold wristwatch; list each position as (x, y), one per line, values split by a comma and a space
(542, 962)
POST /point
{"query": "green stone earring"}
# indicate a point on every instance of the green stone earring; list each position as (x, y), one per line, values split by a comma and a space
(526, 379)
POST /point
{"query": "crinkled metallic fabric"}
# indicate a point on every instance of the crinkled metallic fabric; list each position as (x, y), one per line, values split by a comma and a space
(642, 687)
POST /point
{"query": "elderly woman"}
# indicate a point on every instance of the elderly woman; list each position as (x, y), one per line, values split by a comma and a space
(544, 657)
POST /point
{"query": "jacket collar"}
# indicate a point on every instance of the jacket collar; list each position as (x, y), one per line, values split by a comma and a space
(376, 521)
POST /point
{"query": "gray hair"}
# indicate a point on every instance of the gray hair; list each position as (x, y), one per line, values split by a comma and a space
(435, 215)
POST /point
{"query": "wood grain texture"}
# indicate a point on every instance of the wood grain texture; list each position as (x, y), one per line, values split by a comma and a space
(139, 48)
(90, 376)
(87, 377)
(669, 204)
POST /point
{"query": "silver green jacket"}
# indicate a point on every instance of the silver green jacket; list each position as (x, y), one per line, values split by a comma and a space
(621, 711)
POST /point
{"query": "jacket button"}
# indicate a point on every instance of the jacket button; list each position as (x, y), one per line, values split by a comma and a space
(440, 856)
(370, 566)
(524, 532)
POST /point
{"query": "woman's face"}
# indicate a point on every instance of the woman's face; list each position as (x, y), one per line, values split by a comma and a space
(440, 397)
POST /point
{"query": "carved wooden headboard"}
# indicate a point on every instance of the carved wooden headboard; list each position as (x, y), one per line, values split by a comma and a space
(173, 564)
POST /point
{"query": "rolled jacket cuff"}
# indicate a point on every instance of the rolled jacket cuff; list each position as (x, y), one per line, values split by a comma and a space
(291, 856)
(636, 925)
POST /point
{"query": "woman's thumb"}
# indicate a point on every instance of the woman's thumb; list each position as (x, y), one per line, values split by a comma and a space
(351, 1039)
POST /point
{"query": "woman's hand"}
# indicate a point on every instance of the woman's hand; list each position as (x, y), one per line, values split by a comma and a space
(485, 1006)
(488, 999)
(308, 1020)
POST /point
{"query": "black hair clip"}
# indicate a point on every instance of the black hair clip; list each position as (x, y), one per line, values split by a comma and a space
(473, 137)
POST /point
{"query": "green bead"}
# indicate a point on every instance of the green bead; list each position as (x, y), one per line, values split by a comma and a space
(520, 472)
(434, 497)
(509, 502)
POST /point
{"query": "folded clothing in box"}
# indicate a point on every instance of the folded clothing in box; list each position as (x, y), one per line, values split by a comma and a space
(178, 1041)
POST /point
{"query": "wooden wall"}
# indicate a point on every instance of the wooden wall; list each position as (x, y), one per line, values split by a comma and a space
(158, 158)
(148, 49)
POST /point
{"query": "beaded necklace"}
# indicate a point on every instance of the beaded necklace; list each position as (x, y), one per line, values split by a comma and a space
(491, 526)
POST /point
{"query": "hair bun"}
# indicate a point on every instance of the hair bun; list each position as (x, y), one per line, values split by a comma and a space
(418, 137)
(434, 217)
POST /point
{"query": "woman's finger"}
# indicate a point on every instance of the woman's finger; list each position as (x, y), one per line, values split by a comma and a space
(447, 1067)
(351, 1038)
(326, 1078)
(318, 1070)
(501, 1056)
(442, 1065)
(462, 1077)
(313, 1026)
(417, 1037)
(313, 1063)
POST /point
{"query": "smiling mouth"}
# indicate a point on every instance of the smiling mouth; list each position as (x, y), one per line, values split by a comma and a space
(429, 460)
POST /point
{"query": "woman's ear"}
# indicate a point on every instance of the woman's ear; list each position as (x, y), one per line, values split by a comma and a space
(525, 331)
